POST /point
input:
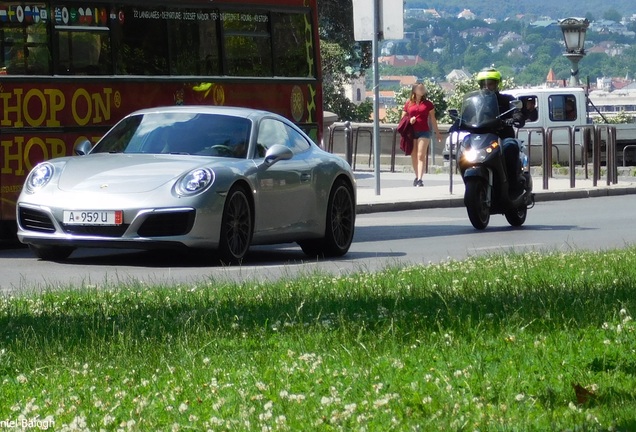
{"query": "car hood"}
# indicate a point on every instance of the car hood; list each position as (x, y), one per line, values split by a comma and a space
(120, 173)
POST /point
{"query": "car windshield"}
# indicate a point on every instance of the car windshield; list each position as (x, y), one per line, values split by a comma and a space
(178, 133)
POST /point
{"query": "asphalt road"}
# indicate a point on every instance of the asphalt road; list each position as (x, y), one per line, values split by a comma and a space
(381, 240)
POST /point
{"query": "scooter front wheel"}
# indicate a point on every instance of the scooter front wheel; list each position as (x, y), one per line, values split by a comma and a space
(517, 217)
(477, 207)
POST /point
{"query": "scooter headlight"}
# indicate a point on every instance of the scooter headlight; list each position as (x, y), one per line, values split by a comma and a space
(470, 155)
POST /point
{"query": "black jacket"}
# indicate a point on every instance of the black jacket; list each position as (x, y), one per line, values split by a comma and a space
(517, 116)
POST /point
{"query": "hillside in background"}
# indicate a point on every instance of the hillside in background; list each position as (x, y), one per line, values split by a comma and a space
(502, 9)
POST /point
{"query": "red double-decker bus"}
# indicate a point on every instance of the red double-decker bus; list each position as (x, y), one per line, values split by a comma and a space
(70, 69)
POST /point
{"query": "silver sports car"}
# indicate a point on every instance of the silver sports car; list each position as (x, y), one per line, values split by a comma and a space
(217, 178)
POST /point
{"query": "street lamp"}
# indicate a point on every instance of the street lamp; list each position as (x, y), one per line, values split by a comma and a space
(574, 36)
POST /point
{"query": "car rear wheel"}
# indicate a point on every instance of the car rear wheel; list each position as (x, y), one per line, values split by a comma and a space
(51, 253)
(340, 224)
(236, 227)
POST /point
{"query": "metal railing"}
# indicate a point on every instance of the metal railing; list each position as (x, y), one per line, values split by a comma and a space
(610, 152)
(593, 137)
(627, 147)
(352, 133)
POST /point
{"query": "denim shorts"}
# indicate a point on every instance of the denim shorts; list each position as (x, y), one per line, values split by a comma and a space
(423, 134)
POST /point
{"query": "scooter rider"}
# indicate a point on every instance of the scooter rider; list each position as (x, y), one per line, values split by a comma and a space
(490, 78)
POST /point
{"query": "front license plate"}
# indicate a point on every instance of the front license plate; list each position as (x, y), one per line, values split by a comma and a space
(93, 217)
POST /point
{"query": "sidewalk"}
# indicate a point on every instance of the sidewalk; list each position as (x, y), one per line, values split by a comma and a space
(398, 193)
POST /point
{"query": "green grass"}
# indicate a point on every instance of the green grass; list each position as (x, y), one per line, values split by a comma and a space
(495, 343)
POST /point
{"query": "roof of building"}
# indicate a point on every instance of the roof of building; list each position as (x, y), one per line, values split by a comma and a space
(404, 80)
(401, 60)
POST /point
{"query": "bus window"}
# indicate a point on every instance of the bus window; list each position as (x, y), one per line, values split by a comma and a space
(194, 46)
(83, 53)
(291, 57)
(143, 42)
(248, 47)
(23, 41)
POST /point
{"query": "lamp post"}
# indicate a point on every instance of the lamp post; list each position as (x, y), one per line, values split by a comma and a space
(574, 36)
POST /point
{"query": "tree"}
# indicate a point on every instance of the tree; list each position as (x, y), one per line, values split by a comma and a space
(334, 67)
(612, 15)
(435, 95)
(466, 86)
(342, 57)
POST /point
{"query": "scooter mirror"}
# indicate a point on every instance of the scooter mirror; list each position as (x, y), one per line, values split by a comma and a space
(516, 104)
(453, 113)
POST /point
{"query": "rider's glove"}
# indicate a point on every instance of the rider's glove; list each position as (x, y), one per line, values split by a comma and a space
(518, 120)
(509, 122)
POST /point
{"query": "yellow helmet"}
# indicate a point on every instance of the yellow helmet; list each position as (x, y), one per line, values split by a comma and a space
(488, 74)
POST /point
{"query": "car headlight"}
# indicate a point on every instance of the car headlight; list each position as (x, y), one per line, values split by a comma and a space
(195, 181)
(39, 177)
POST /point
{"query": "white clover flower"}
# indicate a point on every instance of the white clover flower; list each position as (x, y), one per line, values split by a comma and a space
(427, 400)
(326, 400)
(297, 397)
(22, 379)
(267, 415)
(397, 363)
(215, 421)
(380, 402)
(183, 407)
(520, 397)
(108, 420)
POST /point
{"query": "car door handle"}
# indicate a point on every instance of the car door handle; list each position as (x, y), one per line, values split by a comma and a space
(305, 177)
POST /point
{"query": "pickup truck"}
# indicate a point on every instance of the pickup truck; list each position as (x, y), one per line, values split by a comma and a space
(558, 107)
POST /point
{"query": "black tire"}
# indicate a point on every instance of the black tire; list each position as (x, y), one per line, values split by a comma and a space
(339, 224)
(236, 227)
(517, 217)
(51, 253)
(476, 205)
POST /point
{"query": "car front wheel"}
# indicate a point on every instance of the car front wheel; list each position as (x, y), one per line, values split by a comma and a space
(51, 253)
(236, 227)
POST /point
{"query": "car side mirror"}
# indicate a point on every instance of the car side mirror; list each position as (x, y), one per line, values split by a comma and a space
(83, 148)
(516, 104)
(277, 152)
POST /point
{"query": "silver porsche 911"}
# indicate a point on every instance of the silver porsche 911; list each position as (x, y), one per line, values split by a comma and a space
(218, 178)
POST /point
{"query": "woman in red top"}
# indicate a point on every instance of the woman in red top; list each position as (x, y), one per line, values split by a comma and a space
(422, 114)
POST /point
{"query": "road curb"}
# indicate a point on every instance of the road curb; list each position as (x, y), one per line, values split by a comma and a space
(458, 201)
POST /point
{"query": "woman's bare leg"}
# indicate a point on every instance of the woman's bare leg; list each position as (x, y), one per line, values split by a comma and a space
(414, 156)
(422, 151)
